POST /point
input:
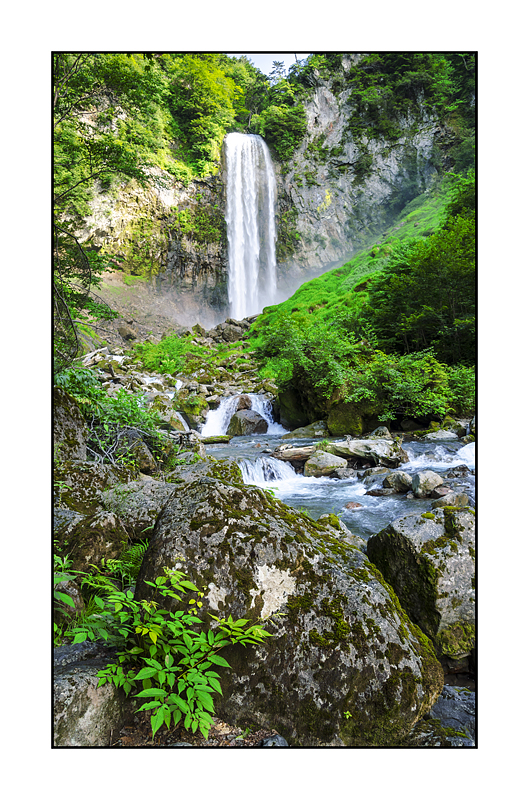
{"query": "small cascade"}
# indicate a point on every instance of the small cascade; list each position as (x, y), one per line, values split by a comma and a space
(250, 219)
(263, 470)
(262, 405)
(217, 421)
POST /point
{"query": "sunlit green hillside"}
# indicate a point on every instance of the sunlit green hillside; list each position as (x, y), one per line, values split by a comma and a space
(344, 289)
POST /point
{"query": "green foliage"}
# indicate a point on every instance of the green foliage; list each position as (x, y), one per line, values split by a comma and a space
(203, 225)
(425, 295)
(162, 658)
(283, 127)
(108, 417)
(327, 363)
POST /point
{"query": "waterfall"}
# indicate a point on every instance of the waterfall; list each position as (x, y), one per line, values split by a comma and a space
(264, 470)
(251, 192)
(217, 421)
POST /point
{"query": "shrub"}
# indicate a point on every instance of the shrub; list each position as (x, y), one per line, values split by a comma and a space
(161, 657)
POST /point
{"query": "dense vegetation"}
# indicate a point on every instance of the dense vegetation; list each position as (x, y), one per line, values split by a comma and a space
(400, 337)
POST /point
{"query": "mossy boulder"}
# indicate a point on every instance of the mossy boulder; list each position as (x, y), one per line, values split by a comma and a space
(345, 665)
(70, 432)
(377, 451)
(312, 431)
(321, 463)
(100, 535)
(354, 419)
(78, 484)
(138, 505)
(429, 560)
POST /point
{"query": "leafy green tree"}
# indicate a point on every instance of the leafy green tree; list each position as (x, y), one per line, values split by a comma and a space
(425, 296)
(89, 146)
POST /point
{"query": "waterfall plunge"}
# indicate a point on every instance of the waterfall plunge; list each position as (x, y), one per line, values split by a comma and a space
(251, 192)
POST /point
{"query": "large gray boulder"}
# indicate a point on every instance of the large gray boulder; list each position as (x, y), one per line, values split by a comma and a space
(138, 504)
(423, 483)
(429, 560)
(322, 463)
(378, 451)
(312, 431)
(83, 714)
(345, 665)
(399, 480)
(246, 422)
(70, 432)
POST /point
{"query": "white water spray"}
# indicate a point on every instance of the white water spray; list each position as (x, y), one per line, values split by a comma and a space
(251, 194)
(217, 421)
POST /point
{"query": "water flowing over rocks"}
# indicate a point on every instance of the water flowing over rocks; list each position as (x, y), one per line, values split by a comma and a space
(255, 557)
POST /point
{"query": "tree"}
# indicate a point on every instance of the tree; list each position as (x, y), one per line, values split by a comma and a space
(89, 146)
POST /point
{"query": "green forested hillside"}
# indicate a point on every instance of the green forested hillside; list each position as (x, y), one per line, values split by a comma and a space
(394, 328)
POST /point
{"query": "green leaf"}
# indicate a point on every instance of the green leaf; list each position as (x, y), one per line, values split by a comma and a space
(206, 700)
(157, 720)
(188, 585)
(149, 706)
(153, 692)
(216, 659)
(146, 672)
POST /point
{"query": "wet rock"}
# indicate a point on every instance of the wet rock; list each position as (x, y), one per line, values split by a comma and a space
(455, 709)
(245, 423)
(439, 491)
(321, 463)
(380, 433)
(345, 473)
(312, 431)
(429, 560)
(352, 506)
(438, 436)
(380, 452)
(273, 741)
(398, 480)
(458, 499)
(70, 432)
(423, 483)
(245, 402)
(342, 644)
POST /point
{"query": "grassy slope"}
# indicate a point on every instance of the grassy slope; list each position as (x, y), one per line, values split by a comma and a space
(343, 289)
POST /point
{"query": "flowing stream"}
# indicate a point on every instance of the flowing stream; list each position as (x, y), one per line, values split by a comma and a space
(319, 496)
(250, 219)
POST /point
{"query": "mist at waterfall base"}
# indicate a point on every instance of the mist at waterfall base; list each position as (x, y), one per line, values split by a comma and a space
(250, 220)
(319, 496)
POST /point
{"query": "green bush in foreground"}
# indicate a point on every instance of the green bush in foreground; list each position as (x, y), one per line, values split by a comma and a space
(108, 415)
(162, 655)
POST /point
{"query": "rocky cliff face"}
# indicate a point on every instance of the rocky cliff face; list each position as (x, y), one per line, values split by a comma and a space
(172, 234)
(343, 187)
